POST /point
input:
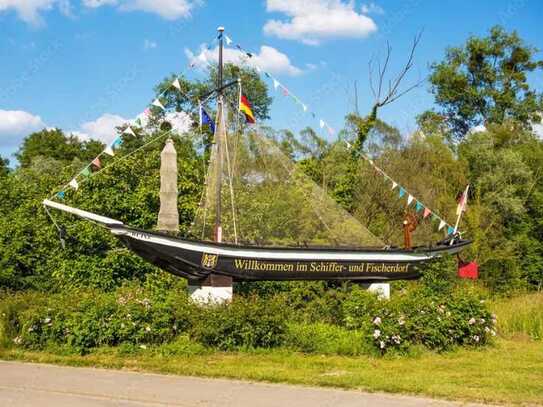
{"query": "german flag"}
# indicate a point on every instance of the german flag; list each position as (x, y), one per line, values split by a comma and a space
(245, 108)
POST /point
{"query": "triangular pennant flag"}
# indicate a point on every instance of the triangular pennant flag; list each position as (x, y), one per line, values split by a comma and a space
(157, 103)
(86, 172)
(285, 91)
(419, 206)
(176, 84)
(321, 123)
(410, 199)
(426, 213)
(96, 162)
(228, 40)
(258, 69)
(402, 192)
(109, 151)
(129, 130)
(330, 130)
(117, 142)
(147, 112)
(450, 230)
(304, 107)
(394, 185)
(441, 225)
(74, 184)
(275, 84)
(61, 194)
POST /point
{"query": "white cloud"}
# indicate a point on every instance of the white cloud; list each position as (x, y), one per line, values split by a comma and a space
(167, 9)
(103, 128)
(29, 10)
(372, 8)
(269, 59)
(16, 124)
(312, 21)
(180, 121)
(148, 44)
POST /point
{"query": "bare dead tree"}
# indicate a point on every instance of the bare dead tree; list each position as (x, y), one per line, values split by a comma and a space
(393, 91)
(383, 94)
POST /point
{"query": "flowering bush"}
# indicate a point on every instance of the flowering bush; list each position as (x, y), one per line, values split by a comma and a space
(436, 313)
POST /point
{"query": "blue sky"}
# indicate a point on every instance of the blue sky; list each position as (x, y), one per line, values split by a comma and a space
(85, 65)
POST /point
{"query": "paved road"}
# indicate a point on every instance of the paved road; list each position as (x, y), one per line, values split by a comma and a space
(28, 384)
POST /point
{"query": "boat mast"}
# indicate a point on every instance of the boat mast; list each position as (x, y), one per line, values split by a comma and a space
(218, 140)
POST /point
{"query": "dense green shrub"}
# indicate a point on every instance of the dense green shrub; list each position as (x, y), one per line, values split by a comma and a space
(440, 322)
(438, 312)
(247, 322)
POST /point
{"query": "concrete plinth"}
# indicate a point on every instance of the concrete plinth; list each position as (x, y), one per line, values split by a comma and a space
(214, 289)
(210, 295)
(382, 289)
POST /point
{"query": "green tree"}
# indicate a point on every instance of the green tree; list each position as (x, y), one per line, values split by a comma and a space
(485, 81)
(55, 144)
(4, 166)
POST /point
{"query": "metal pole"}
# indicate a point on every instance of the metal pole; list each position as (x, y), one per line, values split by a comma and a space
(465, 197)
(218, 141)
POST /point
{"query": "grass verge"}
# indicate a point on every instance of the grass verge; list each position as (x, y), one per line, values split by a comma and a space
(510, 372)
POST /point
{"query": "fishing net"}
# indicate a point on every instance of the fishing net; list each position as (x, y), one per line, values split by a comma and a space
(267, 199)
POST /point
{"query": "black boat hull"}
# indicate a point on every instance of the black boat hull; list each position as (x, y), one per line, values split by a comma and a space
(195, 260)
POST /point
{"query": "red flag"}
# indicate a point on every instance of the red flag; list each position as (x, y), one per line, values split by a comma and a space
(426, 213)
(96, 162)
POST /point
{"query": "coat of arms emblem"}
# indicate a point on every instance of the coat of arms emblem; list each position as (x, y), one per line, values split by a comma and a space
(209, 261)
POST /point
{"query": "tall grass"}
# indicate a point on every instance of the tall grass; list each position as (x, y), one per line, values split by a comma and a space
(520, 316)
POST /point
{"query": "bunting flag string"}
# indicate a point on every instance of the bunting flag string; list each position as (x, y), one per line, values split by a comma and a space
(129, 130)
(419, 206)
(109, 150)
(158, 104)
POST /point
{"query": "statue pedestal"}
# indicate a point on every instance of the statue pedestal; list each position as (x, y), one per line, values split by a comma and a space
(215, 289)
(210, 295)
(382, 289)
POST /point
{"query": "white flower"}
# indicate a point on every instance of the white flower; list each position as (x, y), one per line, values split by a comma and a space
(487, 329)
(377, 321)
(476, 338)
(382, 345)
(492, 332)
(482, 320)
(376, 333)
(401, 320)
(441, 309)
(143, 346)
(17, 340)
(47, 320)
(396, 339)
(472, 321)
(147, 329)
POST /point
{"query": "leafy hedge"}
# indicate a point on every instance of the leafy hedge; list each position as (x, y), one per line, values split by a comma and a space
(308, 317)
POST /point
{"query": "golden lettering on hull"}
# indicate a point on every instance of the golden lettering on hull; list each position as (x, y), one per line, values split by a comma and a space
(319, 266)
